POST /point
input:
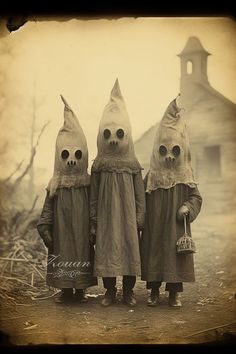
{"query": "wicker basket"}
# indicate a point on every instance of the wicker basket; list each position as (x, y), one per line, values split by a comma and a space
(185, 244)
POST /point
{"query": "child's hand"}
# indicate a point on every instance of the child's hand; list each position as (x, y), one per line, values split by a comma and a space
(47, 239)
(92, 235)
(183, 210)
(92, 229)
(92, 239)
(45, 234)
(140, 227)
(140, 232)
(140, 221)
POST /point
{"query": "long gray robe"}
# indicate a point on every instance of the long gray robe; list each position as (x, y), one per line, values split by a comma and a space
(67, 215)
(117, 209)
(160, 262)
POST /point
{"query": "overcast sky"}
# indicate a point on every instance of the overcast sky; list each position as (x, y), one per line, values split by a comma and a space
(82, 59)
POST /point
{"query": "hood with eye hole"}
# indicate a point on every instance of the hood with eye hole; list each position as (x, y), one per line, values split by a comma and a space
(170, 165)
(71, 155)
(171, 148)
(119, 134)
(176, 150)
(115, 148)
(65, 154)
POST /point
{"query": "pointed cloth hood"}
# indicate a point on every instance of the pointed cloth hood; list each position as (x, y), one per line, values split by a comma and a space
(171, 158)
(71, 155)
(114, 141)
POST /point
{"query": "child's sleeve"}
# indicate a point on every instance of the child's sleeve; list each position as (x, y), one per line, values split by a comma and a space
(139, 199)
(94, 189)
(46, 217)
(194, 203)
(44, 225)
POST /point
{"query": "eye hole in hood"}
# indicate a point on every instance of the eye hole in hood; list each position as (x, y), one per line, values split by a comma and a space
(162, 150)
(176, 150)
(65, 154)
(120, 133)
(78, 154)
(107, 133)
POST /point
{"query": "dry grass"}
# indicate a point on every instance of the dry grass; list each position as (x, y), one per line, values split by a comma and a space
(23, 258)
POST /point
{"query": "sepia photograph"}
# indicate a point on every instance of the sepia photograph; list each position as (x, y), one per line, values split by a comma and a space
(117, 183)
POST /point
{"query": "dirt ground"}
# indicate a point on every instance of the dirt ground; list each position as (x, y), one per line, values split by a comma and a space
(208, 313)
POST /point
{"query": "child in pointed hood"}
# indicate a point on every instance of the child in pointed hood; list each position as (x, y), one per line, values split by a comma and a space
(64, 221)
(171, 194)
(117, 203)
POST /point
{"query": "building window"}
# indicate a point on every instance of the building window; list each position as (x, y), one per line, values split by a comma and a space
(189, 67)
(213, 161)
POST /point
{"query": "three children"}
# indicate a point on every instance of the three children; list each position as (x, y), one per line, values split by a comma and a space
(116, 208)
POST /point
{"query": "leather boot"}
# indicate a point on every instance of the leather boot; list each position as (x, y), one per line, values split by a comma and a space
(153, 298)
(66, 296)
(129, 298)
(109, 298)
(79, 296)
(174, 300)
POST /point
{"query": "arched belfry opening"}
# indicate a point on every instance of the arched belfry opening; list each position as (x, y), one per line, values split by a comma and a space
(193, 59)
(189, 67)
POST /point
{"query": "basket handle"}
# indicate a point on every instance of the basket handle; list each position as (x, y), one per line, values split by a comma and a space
(185, 226)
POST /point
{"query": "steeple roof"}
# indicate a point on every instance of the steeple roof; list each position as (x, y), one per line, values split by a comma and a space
(193, 45)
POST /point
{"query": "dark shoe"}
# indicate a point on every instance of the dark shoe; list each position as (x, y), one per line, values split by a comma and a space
(66, 296)
(174, 300)
(79, 296)
(153, 298)
(109, 298)
(129, 299)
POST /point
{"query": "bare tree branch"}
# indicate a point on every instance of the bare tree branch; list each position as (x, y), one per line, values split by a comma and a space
(12, 174)
(34, 203)
(27, 168)
(41, 132)
(33, 153)
(31, 170)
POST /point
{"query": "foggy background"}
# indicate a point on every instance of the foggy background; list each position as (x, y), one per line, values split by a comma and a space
(81, 60)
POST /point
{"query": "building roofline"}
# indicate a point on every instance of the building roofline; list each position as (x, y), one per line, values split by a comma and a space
(192, 52)
(146, 132)
(217, 94)
(193, 45)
